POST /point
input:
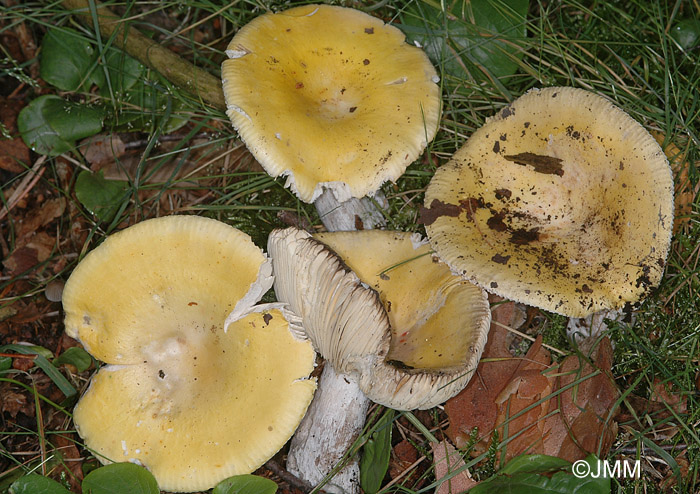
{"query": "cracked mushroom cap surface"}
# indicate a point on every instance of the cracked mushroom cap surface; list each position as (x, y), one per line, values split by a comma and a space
(379, 307)
(560, 201)
(199, 383)
(330, 97)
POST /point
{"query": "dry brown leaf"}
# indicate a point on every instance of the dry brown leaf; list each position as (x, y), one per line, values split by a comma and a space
(662, 392)
(72, 461)
(447, 459)
(102, 149)
(475, 406)
(403, 455)
(583, 424)
(39, 217)
(14, 153)
(35, 250)
(13, 403)
(510, 395)
(528, 385)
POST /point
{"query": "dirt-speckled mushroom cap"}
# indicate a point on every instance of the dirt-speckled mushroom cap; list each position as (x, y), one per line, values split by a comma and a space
(330, 96)
(200, 384)
(379, 307)
(561, 201)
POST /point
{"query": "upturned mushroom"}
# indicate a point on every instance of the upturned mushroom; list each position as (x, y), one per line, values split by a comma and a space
(386, 315)
(200, 383)
(561, 201)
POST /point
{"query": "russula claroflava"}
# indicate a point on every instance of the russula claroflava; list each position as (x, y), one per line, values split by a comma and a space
(561, 201)
(200, 383)
(330, 97)
(393, 323)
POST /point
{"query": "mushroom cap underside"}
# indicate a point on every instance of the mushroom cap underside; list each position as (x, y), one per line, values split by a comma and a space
(191, 398)
(561, 201)
(378, 306)
(330, 96)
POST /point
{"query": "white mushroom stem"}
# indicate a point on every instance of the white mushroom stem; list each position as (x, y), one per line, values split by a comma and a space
(353, 214)
(333, 421)
(337, 413)
(586, 332)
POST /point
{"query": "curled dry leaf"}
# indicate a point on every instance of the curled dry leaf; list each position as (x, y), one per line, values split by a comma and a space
(446, 460)
(528, 385)
(475, 406)
(535, 406)
(584, 423)
(403, 455)
(72, 461)
(662, 392)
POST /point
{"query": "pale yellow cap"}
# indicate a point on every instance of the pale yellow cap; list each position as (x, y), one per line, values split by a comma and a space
(201, 384)
(561, 201)
(330, 96)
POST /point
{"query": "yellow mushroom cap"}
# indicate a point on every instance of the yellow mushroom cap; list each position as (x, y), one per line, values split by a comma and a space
(200, 383)
(330, 96)
(561, 201)
(378, 306)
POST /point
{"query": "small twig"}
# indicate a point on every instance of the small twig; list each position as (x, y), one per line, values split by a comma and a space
(24, 186)
(288, 477)
(645, 451)
(403, 474)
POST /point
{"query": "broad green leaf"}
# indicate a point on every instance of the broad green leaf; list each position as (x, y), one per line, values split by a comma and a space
(481, 37)
(75, 356)
(245, 484)
(687, 33)
(534, 463)
(50, 125)
(100, 196)
(36, 484)
(67, 59)
(123, 71)
(376, 454)
(5, 363)
(562, 482)
(120, 478)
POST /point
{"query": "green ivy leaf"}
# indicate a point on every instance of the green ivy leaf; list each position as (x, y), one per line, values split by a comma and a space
(100, 196)
(67, 59)
(75, 356)
(521, 478)
(477, 36)
(50, 125)
(120, 478)
(245, 484)
(124, 72)
(36, 484)
(376, 454)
